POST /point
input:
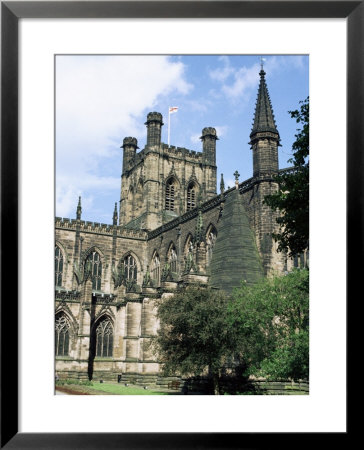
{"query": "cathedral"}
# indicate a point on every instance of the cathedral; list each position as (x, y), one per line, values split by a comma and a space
(173, 229)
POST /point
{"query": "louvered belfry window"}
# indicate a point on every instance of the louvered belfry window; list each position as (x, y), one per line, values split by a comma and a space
(170, 193)
(62, 336)
(191, 197)
(96, 270)
(130, 268)
(58, 270)
(104, 339)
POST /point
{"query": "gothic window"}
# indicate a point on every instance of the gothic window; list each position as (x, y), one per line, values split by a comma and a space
(191, 196)
(155, 269)
(170, 195)
(172, 258)
(210, 243)
(58, 270)
(104, 338)
(96, 270)
(62, 335)
(130, 268)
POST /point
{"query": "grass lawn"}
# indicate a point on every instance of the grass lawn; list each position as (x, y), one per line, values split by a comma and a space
(108, 389)
(119, 389)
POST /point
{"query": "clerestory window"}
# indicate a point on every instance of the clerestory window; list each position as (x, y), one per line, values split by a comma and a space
(58, 270)
(130, 268)
(96, 270)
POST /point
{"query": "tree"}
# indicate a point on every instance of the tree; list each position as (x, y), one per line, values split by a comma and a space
(194, 334)
(271, 319)
(292, 197)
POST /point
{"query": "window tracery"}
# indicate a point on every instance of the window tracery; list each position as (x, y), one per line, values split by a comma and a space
(130, 268)
(62, 335)
(104, 339)
(58, 270)
(95, 269)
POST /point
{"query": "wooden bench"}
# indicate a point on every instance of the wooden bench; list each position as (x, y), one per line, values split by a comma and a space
(175, 384)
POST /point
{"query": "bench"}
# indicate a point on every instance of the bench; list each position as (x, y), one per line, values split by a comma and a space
(174, 384)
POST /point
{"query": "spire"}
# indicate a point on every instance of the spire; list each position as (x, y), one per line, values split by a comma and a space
(235, 239)
(79, 209)
(264, 117)
(115, 215)
(222, 184)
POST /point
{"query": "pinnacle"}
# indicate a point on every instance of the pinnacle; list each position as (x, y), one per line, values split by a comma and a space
(264, 117)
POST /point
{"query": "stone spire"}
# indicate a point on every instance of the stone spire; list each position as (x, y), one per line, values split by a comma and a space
(115, 215)
(222, 184)
(79, 209)
(264, 117)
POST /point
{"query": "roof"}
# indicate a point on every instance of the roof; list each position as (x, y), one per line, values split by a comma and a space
(235, 256)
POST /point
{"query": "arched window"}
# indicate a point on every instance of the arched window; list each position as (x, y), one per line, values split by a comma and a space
(96, 270)
(191, 196)
(155, 269)
(130, 268)
(170, 195)
(172, 258)
(210, 243)
(62, 335)
(58, 270)
(104, 338)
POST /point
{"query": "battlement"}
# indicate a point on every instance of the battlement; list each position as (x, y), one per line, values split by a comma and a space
(99, 228)
(182, 152)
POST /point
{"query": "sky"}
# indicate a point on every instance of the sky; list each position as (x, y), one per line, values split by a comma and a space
(100, 99)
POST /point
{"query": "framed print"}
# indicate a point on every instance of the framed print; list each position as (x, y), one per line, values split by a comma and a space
(32, 33)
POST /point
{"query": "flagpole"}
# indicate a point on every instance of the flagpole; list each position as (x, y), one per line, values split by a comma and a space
(169, 125)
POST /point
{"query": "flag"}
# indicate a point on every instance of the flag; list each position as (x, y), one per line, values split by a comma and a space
(173, 109)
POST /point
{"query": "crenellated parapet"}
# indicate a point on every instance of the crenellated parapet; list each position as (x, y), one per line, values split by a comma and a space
(99, 228)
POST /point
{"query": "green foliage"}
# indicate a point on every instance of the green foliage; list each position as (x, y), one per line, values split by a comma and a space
(292, 197)
(194, 333)
(272, 322)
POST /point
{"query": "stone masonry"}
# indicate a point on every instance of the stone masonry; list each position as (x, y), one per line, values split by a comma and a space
(173, 229)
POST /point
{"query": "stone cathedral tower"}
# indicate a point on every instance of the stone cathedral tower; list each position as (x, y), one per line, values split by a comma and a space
(162, 182)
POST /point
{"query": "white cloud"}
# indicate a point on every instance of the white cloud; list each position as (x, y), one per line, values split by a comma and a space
(238, 82)
(100, 100)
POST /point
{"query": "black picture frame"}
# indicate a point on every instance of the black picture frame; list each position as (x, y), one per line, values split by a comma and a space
(11, 12)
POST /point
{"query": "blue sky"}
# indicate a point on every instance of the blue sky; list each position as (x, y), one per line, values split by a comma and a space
(102, 99)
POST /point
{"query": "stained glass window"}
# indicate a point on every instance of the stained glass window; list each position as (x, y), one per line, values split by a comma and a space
(104, 338)
(62, 336)
(130, 268)
(96, 270)
(58, 271)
